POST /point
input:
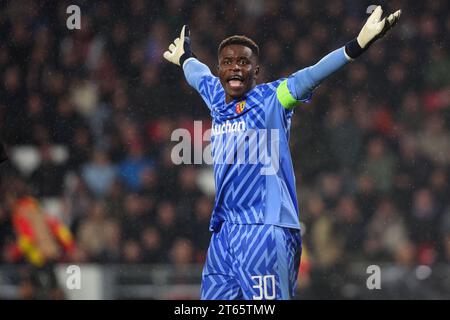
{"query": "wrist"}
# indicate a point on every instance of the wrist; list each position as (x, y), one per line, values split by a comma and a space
(186, 56)
(353, 49)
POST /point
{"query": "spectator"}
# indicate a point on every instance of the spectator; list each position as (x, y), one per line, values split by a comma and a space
(112, 234)
(91, 232)
(344, 137)
(99, 174)
(152, 246)
(386, 232)
(434, 141)
(325, 248)
(182, 253)
(130, 170)
(350, 227)
(134, 217)
(167, 223)
(424, 218)
(48, 178)
(379, 164)
(131, 252)
(43, 241)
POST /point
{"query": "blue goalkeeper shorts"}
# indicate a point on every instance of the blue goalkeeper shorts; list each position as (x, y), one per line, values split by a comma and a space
(252, 262)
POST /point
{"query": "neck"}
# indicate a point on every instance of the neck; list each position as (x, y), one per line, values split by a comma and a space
(228, 99)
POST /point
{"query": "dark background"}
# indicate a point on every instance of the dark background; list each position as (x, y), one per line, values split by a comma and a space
(371, 151)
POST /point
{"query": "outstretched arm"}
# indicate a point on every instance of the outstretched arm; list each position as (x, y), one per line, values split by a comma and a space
(300, 85)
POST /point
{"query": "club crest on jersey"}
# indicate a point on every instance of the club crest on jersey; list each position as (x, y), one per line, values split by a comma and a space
(240, 107)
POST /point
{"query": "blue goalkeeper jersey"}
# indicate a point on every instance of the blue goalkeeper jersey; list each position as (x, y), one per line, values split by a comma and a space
(253, 171)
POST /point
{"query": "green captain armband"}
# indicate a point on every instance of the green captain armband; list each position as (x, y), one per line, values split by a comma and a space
(285, 97)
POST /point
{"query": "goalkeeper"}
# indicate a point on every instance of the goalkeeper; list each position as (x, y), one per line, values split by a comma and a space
(255, 246)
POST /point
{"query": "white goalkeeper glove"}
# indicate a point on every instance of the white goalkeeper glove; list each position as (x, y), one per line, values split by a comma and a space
(372, 30)
(180, 49)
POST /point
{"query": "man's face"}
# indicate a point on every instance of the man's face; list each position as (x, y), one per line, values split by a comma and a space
(238, 70)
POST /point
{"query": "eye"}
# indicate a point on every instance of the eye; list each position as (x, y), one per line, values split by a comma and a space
(243, 62)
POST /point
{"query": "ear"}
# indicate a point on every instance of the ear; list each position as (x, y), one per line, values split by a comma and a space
(256, 71)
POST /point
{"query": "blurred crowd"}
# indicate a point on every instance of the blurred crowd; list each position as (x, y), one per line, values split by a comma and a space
(371, 151)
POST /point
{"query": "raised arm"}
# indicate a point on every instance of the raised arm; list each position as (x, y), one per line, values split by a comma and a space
(300, 85)
(180, 53)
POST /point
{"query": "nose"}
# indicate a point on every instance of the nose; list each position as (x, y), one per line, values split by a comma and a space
(236, 67)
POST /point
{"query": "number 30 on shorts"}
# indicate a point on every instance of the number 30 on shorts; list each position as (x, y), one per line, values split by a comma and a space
(263, 283)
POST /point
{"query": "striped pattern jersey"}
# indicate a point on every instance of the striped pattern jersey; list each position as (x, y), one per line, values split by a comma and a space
(255, 246)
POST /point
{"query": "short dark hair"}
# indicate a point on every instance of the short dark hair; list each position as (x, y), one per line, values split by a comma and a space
(242, 40)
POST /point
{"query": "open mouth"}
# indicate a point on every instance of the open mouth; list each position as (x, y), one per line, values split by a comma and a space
(235, 81)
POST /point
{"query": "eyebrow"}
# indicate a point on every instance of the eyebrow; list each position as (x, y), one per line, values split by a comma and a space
(232, 57)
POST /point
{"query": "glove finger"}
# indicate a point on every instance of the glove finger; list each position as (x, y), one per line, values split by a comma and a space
(393, 18)
(185, 33)
(376, 15)
(172, 47)
(397, 15)
(167, 55)
(390, 19)
(394, 22)
(182, 32)
(176, 41)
